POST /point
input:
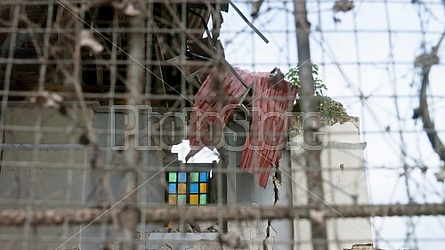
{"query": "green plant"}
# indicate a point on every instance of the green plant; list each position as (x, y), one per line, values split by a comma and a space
(293, 76)
(328, 108)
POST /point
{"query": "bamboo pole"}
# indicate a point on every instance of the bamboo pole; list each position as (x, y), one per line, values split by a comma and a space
(129, 219)
(19, 217)
(311, 125)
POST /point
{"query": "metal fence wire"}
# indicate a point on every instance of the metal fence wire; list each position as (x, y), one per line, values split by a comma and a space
(154, 124)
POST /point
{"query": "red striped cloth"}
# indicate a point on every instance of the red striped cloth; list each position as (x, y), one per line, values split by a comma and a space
(269, 123)
(268, 130)
(205, 112)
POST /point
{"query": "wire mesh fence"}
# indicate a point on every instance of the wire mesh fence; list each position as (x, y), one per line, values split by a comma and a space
(174, 125)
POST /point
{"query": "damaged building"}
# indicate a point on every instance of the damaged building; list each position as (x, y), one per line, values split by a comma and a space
(94, 96)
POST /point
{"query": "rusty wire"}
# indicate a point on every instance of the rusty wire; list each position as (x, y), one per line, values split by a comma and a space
(67, 62)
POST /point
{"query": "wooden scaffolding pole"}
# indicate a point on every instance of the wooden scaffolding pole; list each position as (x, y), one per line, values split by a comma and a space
(20, 217)
(311, 126)
(129, 219)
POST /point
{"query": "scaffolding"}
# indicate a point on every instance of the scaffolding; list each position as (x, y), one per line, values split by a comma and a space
(96, 96)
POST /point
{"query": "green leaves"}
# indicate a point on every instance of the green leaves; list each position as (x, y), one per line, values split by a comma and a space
(328, 108)
(293, 76)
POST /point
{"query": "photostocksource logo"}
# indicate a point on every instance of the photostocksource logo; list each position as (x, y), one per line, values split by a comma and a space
(145, 129)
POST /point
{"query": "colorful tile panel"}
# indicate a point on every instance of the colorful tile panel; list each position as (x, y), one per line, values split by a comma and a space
(188, 188)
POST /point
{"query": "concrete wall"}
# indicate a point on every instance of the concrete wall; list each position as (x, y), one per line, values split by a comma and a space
(243, 189)
(344, 183)
(40, 178)
(58, 174)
